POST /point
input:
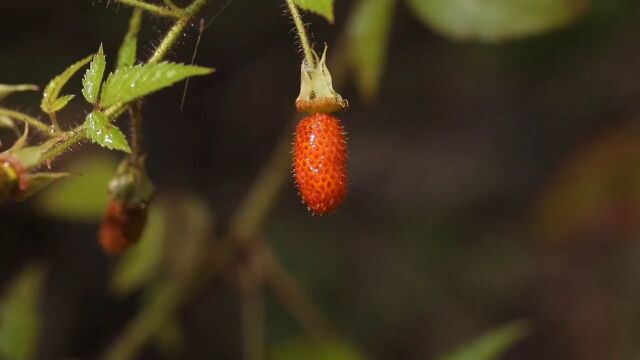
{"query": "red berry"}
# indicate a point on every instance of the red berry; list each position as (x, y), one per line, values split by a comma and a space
(320, 162)
(122, 226)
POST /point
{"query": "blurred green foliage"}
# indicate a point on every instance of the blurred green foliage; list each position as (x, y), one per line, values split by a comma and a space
(19, 316)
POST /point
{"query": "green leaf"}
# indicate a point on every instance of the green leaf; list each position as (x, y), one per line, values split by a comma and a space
(82, 197)
(93, 77)
(28, 156)
(493, 344)
(129, 47)
(61, 102)
(6, 90)
(52, 90)
(368, 37)
(101, 132)
(323, 8)
(496, 20)
(138, 265)
(19, 318)
(39, 181)
(303, 349)
(130, 83)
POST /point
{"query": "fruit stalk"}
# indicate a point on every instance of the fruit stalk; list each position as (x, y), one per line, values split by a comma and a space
(302, 34)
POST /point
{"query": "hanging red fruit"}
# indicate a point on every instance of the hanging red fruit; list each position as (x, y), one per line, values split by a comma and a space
(319, 160)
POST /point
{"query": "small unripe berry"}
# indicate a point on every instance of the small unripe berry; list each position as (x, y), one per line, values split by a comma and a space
(320, 162)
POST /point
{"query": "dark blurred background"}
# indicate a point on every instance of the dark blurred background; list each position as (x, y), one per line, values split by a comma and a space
(487, 183)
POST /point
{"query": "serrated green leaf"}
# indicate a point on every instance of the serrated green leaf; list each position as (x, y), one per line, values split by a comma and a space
(304, 349)
(496, 20)
(39, 181)
(6, 90)
(52, 90)
(82, 197)
(138, 265)
(493, 344)
(101, 132)
(93, 77)
(320, 7)
(129, 47)
(61, 102)
(368, 36)
(130, 83)
(19, 318)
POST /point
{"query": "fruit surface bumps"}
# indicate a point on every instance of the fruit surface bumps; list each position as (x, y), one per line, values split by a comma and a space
(121, 226)
(320, 162)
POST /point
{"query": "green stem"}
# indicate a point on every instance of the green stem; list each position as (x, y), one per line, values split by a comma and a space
(154, 9)
(176, 31)
(302, 34)
(173, 6)
(16, 115)
(157, 312)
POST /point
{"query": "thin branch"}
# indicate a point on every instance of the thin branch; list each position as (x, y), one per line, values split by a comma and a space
(295, 300)
(153, 9)
(153, 316)
(16, 115)
(251, 312)
(172, 5)
(135, 114)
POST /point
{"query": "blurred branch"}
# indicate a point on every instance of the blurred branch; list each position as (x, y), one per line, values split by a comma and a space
(249, 279)
(153, 9)
(295, 300)
(157, 312)
(15, 115)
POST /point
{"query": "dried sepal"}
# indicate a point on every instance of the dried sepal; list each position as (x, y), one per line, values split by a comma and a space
(316, 89)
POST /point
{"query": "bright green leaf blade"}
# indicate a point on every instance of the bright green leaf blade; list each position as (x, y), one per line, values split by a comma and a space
(496, 20)
(323, 8)
(93, 77)
(19, 324)
(138, 265)
(61, 102)
(308, 350)
(52, 90)
(101, 132)
(493, 344)
(129, 47)
(82, 197)
(130, 83)
(368, 37)
(6, 90)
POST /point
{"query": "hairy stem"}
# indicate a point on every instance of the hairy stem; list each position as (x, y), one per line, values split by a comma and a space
(302, 34)
(135, 113)
(153, 9)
